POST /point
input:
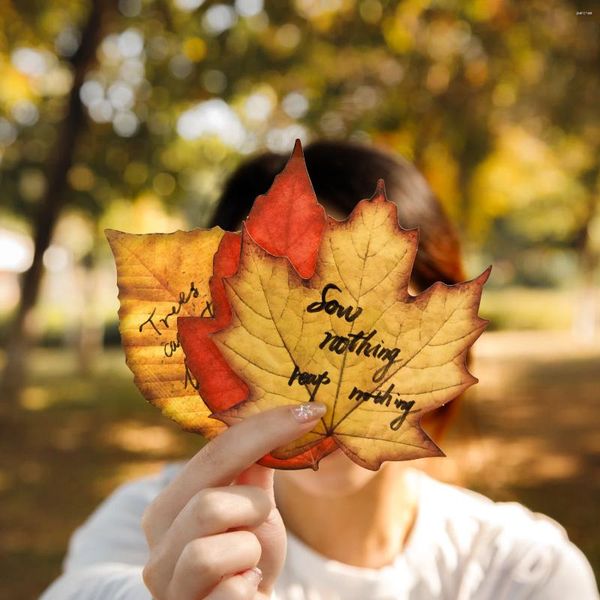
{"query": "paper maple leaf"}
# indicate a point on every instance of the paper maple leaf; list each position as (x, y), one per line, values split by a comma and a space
(341, 329)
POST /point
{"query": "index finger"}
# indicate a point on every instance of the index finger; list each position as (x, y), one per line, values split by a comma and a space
(222, 459)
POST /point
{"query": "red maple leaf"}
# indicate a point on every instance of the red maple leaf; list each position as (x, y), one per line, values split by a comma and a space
(287, 222)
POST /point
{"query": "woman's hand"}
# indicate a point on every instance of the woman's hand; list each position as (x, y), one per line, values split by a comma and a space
(214, 532)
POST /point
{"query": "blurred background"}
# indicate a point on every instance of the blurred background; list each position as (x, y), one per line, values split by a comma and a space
(130, 114)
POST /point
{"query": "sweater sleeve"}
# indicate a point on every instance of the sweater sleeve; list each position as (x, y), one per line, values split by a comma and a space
(527, 556)
(571, 577)
(107, 553)
(540, 562)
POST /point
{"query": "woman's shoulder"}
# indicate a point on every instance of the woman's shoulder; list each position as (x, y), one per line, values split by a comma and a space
(503, 542)
(453, 504)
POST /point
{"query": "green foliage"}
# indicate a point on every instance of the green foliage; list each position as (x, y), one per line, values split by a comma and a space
(494, 101)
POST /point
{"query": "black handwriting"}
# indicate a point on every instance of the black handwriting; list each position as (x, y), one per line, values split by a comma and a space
(189, 378)
(306, 378)
(171, 347)
(208, 310)
(333, 306)
(385, 398)
(151, 322)
(183, 299)
(360, 343)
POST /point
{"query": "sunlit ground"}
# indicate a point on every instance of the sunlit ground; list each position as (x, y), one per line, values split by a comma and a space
(527, 433)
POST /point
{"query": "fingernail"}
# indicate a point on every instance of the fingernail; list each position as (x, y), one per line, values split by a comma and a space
(254, 575)
(309, 411)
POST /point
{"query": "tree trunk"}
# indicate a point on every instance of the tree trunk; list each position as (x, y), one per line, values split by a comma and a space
(50, 207)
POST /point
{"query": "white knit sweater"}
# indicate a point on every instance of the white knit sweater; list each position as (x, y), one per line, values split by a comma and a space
(463, 547)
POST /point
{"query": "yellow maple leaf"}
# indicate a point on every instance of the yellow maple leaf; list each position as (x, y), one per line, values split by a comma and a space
(351, 337)
(161, 277)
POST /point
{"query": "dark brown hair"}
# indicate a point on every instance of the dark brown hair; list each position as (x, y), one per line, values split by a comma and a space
(342, 173)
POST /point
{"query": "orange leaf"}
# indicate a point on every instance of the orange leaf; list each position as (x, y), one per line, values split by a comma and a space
(287, 221)
(351, 336)
(288, 212)
(161, 276)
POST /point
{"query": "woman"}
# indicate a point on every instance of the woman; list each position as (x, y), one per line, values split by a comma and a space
(217, 527)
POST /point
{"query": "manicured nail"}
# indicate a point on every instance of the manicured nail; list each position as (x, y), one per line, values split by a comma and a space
(254, 575)
(309, 411)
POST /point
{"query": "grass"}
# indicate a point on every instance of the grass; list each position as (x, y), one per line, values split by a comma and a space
(527, 433)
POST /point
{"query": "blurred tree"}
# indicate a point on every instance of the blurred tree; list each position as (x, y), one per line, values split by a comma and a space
(54, 196)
